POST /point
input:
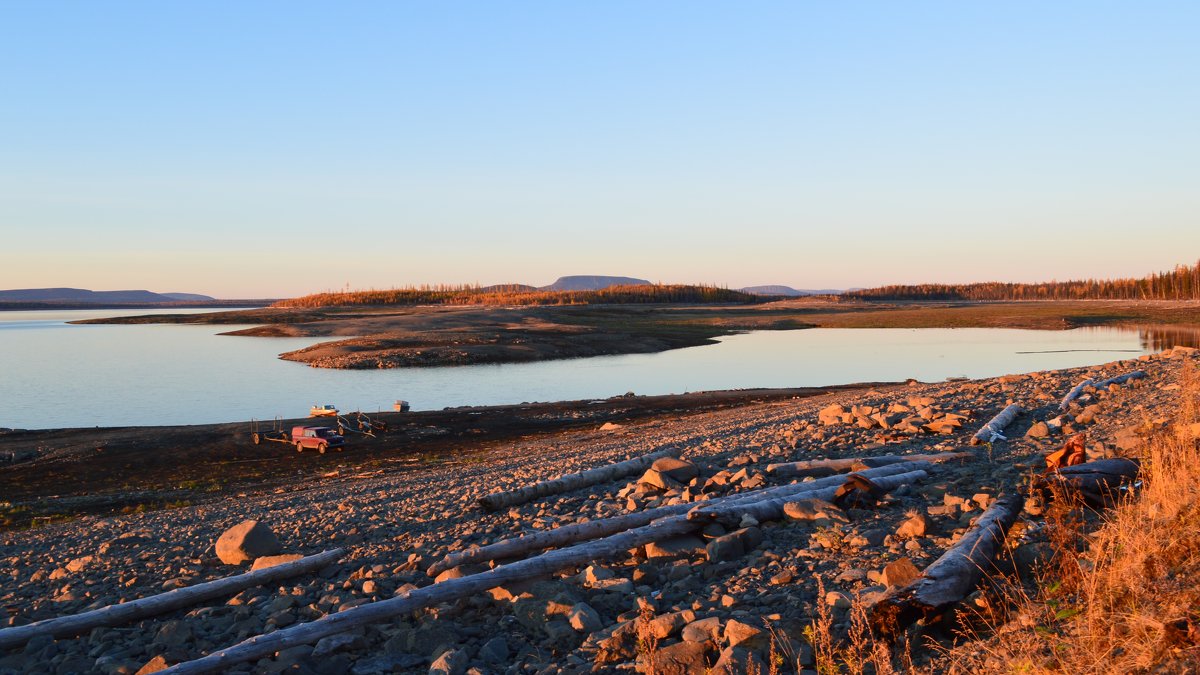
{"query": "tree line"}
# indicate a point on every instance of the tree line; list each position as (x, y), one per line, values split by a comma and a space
(520, 296)
(1182, 283)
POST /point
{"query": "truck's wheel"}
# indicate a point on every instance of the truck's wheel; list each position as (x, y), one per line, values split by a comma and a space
(299, 447)
(256, 438)
(321, 448)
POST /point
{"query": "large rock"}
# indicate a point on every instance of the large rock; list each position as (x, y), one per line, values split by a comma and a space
(681, 658)
(669, 473)
(451, 662)
(673, 548)
(246, 541)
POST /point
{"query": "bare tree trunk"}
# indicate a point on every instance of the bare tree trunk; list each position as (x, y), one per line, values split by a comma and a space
(448, 591)
(994, 430)
(574, 481)
(1121, 379)
(952, 576)
(816, 466)
(115, 615)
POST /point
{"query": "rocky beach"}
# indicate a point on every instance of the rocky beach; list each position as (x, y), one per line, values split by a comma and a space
(745, 595)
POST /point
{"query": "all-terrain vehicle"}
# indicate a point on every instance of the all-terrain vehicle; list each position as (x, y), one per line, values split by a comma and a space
(321, 438)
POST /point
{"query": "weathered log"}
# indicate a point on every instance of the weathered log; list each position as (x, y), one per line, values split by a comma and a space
(1078, 389)
(814, 466)
(952, 576)
(1073, 394)
(994, 429)
(772, 508)
(115, 615)
(448, 591)
(1121, 379)
(592, 529)
(573, 481)
(1100, 482)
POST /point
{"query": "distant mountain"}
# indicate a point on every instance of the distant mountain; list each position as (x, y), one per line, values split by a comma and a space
(592, 283)
(188, 297)
(84, 296)
(788, 291)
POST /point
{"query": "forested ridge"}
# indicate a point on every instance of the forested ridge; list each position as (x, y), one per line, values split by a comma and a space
(1182, 283)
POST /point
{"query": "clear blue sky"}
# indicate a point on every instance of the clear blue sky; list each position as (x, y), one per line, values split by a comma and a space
(278, 148)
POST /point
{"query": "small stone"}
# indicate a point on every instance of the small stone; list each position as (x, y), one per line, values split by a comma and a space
(154, 665)
(1038, 430)
(494, 651)
(915, 525)
(900, 572)
(451, 662)
(584, 619)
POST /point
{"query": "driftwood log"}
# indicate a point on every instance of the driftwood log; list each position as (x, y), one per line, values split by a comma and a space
(824, 467)
(952, 576)
(772, 508)
(994, 429)
(573, 481)
(601, 527)
(1100, 482)
(1073, 394)
(115, 615)
(450, 590)
(1078, 389)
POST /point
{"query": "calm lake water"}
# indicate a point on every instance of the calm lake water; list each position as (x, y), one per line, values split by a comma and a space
(57, 375)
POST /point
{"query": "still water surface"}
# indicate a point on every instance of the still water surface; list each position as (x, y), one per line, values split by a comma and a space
(57, 375)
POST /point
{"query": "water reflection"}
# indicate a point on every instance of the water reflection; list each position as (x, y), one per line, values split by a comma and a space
(1161, 338)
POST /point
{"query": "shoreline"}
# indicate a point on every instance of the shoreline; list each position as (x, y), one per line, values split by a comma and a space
(431, 336)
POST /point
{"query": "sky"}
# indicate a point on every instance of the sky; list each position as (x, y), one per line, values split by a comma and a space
(273, 149)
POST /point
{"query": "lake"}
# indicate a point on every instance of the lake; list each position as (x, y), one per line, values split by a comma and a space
(57, 375)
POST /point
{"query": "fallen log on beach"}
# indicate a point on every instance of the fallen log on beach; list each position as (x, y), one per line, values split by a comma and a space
(450, 590)
(994, 430)
(592, 529)
(1100, 482)
(821, 467)
(115, 615)
(950, 578)
(573, 481)
(772, 508)
(1102, 384)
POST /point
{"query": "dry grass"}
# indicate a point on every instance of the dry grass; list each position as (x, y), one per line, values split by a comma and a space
(1130, 602)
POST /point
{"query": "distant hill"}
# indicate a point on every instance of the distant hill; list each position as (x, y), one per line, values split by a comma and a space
(188, 297)
(592, 283)
(788, 291)
(84, 296)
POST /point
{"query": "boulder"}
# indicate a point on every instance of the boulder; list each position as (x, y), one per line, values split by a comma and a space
(246, 541)
(702, 630)
(669, 473)
(1038, 430)
(681, 658)
(584, 619)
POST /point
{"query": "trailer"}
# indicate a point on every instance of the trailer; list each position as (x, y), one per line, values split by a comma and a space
(276, 433)
(361, 424)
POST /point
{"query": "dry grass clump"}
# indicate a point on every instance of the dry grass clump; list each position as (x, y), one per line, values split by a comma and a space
(1130, 602)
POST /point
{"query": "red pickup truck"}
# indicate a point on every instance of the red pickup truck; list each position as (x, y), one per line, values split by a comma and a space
(320, 438)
